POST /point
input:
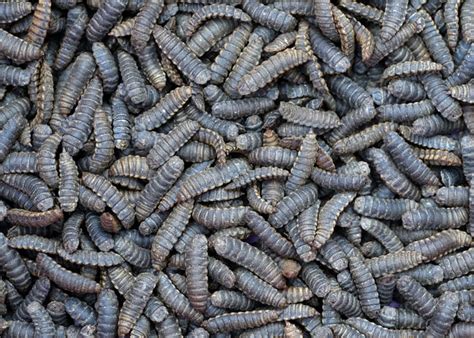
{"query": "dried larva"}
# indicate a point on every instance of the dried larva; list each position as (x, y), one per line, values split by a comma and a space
(19, 162)
(407, 160)
(270, 17)
(12, 12)
(316, 279)
(251, 258)
(42, 322)
(196, 258)
(435, 218)
(169, 144)
(66, 279)
(371, 329)
(169, 232)
(270, 69)
(164, 178)
(458, 264)
(107, 308)
(90, 200)
(309, 117)
(328, 216)
(292, 204)
(464, 93)
(408, 90)
(135, 301)
(9, 133)
(111, 196)
(181, 55)
(440, 243)
(393, 18)
(219, 218)
(416, 296)
(457, 284)
(383, 208)
(235, 109)
(281, 42)
(34, 243)
(426, 274)
(164, 109)
(176, 301)
(34, 218)
(394, 262)
(273, 156)
(143, 23)
(344, 302)
(240, 320)
(256, 289)
(382, 233)
(107, 66)
(80, 312)
(366, 287)
(18, 49)
(132, 253)
(399, 318)
(363, 139)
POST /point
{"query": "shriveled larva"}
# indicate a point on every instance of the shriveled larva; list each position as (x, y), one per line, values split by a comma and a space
(268, 70)
(271, 17)
(34, 243)
(132, 253)
(458, 264)
(309, 117)
(196, 258)
(169, 233)
(64, 278)
(176, 301)
(251, 258)
(34, 218)
(135, 301)
(181, 55)
(394, 262)
(435, 218)
(366, 287)
(240, 320)
(417, 297)
(384, 208)
(107, 308)
(328, 216)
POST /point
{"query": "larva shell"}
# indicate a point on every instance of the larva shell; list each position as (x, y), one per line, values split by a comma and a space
(40, 23)
(34, 243)
(309, 117)
(14, 267)
(32, 186)
(328, 52)
(457, 284)
(406, 89)
(47, 166)
(435, 218)
(292, 204)
(107, 308)
(328, 216)
(410, 68)
(393, 18)
(132, 253)
(268, 235)
(240, 320)
(176, 301)
(437, 91)
(270, 69)
(196, 272)
(338, 182)
(384, 208)
(456, 265)
(91, 258)
(281, 42)
(76, 23)
(209, 34)
(463, 93)
(407, 160)
(417, 296)
(12, 12)
(135, 301)
(394, 318)
(382, 233)
(169, 232)
(133, 80)
(42, 322)
(66, 279)
(426, 274)
(18, 49)
(233, 300)
(107, 67)
(366, 287)
(251, 258)
(169, 144)
(297, 311)
(10, 132)
(143, 23)
(440, 244)
(316, 280)
(164, 109)
(164, 178)
(181, 55)
(211, 178)
(345, 30)
(71, 232)
(270, 17)
(394, 262)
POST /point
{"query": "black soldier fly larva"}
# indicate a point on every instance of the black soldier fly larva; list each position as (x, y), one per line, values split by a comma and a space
(246, 168)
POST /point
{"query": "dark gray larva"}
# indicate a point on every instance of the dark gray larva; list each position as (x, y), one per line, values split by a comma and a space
(221, 165)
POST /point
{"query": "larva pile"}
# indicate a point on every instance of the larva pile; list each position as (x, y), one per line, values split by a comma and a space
(237, 168)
